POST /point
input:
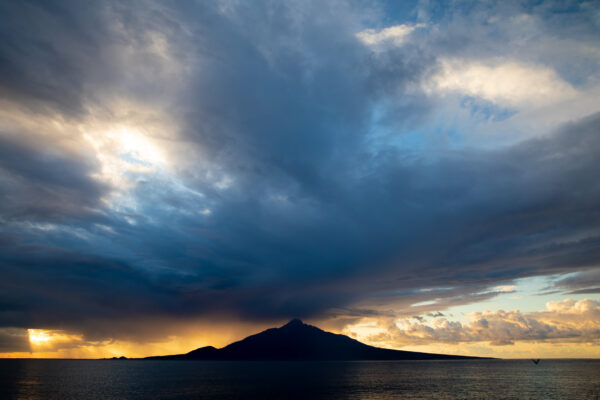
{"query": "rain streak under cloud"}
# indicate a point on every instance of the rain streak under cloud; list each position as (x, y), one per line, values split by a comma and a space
(181, 174)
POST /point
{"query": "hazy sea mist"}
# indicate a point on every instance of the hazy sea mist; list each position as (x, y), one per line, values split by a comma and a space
(151, 379)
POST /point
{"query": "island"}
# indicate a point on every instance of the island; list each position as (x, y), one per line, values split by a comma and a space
(299, 341)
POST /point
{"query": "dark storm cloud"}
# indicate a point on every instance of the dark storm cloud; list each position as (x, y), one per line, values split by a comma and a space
(14, 340)
(80, 56)
(586, 282)
(309, 206)
(63, 287)
(40, 183)
(47, 50)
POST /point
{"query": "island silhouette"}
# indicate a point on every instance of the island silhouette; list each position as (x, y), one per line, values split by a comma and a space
(299, 341)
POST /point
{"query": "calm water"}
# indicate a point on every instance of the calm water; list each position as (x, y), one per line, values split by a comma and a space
(138, 379)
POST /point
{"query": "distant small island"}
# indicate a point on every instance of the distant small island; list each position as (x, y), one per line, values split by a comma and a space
(299, 341)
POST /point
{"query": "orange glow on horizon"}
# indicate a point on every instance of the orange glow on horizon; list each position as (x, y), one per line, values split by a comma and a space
(45, 343)
(60, 344)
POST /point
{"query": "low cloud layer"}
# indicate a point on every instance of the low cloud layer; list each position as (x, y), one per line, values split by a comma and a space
(268, 161)
(566, 321)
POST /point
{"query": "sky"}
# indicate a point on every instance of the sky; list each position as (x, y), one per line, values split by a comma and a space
(419, 175)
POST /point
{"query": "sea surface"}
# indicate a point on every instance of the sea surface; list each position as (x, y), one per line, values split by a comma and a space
(162, 379)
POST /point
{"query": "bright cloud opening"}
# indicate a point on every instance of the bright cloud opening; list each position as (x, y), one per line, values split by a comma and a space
(508, 83)
(43, 339)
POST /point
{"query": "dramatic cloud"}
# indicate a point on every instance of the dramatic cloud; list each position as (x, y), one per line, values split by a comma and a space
(262, 161)
(586, 282)
(567, 321)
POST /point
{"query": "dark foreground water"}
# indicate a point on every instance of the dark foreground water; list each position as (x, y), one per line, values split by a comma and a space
(153, 379)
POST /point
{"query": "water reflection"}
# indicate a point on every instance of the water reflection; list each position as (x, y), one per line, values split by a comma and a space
(410, 380)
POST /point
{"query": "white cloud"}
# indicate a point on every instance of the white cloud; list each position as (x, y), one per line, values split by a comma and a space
(396, 34)
(509, 83)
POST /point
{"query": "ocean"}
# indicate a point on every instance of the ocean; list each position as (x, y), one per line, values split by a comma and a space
(407, 380)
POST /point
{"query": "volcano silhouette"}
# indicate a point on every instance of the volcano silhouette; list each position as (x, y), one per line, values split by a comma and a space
(299, 341)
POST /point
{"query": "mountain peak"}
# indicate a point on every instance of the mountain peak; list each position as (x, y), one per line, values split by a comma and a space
(294, 323)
